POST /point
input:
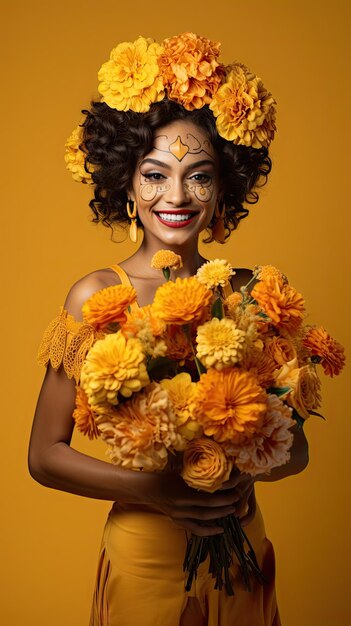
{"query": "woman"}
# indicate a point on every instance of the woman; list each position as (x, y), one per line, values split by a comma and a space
(157, 155)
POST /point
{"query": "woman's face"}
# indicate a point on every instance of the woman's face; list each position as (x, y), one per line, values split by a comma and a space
(176, 185)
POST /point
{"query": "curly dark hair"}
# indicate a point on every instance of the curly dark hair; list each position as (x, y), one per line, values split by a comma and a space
(115, 141)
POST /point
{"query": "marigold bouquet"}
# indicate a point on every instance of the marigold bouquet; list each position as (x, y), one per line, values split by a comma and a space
(218, 378)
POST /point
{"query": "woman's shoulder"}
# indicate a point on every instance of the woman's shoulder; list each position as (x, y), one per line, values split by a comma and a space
(85, 287)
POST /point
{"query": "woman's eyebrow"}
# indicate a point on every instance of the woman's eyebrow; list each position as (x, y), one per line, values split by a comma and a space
(168, 167)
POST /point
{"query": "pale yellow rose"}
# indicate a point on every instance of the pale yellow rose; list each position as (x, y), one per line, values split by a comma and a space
(205, 465)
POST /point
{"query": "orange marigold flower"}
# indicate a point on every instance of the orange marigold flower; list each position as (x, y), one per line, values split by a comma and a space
(269, 447)
(166, 258)
(190, 71)
(142, 431)
(108, 306)
(331, 353)
(84, 415)
(229, 404)
(182, 301)
(282, 303)
(205, 465)
(262, 272)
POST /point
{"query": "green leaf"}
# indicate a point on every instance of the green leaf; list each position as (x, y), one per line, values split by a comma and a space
(217, 309)
(279, 391)
(317, 414)
(300, 421)
(167, 273)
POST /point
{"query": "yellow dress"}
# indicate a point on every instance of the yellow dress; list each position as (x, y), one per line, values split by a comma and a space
(140, 579)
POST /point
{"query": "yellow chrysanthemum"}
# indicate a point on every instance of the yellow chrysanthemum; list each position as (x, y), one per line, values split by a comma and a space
(75, 158)
(180, 390)
(190, 70)
(143, 431)
(244, 109)
(131, 79)
(182, 301)
(229, 404)
(108, 306)
(219, 343)
(113, 366)
(215, 273)
(166, 259)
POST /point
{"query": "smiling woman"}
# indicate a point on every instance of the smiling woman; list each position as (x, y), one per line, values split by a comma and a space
(177, 145)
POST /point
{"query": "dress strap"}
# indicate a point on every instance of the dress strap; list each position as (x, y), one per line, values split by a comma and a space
(125, 281)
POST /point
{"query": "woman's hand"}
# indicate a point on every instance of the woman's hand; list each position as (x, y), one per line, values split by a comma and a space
(245, 501)
(197, 511)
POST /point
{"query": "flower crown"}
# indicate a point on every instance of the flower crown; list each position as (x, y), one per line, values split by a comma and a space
(186, 69)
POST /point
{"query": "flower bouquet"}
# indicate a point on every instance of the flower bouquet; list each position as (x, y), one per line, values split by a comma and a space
(216, 377)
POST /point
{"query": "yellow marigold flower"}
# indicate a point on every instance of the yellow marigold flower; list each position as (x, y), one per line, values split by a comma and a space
(166, 259)
(131, 79)
(205, 465)
(262, 272)
(244, 109)
(84, 415)
(229, 404)
(180, 389)
(108, 306)
(330, 352)
(269, 447)
(215, 273)
(75, 157)
(144, 430)
(113, 366)
(304, 394)
(282, 303)
(190, 70)
(219, 343)
(182, 301)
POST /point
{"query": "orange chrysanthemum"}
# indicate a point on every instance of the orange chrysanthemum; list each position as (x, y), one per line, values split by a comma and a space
(321, 345)
(262, 272)
(108, 306)
(181, 302)
(84, 415)
(190, 71)
(281, 302)
(229, 404)
(205, 465)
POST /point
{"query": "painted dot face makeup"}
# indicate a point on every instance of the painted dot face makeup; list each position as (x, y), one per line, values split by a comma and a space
(176, 186)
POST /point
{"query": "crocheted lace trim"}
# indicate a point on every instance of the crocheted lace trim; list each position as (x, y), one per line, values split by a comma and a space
(66, 341)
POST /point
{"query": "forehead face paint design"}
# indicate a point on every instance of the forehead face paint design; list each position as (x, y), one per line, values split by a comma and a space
(179, 148)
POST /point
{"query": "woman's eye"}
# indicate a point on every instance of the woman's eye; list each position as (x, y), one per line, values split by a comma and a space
(154, 176)
(201, 178)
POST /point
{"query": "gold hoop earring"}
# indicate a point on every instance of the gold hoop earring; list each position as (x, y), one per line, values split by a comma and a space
(218, 230)
(132, 214)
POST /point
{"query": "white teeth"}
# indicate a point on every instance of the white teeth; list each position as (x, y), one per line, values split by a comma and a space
(173, 217)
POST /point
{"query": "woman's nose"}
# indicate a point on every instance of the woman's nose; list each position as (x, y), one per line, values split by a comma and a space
(178, 193)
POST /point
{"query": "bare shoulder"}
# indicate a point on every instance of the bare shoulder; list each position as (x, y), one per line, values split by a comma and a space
(86, 286)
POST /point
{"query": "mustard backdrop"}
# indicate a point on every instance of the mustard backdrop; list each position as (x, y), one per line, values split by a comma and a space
(51, 54)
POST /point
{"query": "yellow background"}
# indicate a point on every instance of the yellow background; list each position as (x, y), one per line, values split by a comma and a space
(51, 54)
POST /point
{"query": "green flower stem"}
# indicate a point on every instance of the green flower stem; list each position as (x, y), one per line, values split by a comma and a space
(167, 273)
